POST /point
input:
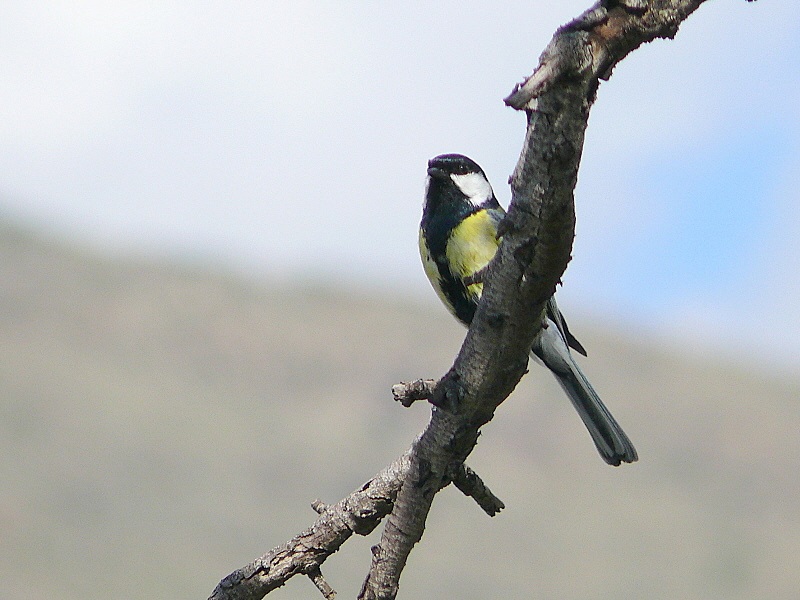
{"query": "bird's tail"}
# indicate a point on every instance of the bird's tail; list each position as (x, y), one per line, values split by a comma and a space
(614, 446)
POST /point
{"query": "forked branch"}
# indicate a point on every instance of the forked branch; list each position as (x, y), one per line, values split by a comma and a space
(536, 247)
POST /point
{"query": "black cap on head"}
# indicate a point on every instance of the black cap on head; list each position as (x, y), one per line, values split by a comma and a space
(444, 165)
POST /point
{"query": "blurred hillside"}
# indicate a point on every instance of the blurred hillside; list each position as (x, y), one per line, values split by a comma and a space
(163, 424)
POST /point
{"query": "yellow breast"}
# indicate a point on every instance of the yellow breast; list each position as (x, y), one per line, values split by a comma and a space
(472, 244)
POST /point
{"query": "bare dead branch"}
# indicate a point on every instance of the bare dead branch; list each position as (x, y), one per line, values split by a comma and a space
(470, 484)
(589, 46)
(323, 586)
(537, 241)
(408, 393)
(360, 513)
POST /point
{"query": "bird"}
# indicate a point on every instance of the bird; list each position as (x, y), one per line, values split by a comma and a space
(458, 237)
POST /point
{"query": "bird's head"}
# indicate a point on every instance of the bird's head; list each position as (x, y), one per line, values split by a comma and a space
(455, 177)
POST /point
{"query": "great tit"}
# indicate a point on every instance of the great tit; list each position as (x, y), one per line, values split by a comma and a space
(457, 239)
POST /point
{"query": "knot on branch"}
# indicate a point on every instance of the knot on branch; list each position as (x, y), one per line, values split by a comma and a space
(449, 392)
(365, 519)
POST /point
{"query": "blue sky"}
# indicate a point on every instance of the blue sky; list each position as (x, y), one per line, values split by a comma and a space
(291, 138)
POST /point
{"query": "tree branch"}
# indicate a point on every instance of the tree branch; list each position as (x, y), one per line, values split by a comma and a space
(470, 484)
(315, 574)
(408, 393)
(360, 513)
(537, 241)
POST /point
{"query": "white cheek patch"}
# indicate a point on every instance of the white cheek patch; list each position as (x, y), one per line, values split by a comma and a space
(474, 186)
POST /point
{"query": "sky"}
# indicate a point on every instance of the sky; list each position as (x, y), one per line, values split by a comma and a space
(291, 138)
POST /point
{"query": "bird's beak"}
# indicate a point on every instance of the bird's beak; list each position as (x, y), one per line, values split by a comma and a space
(437, 173)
